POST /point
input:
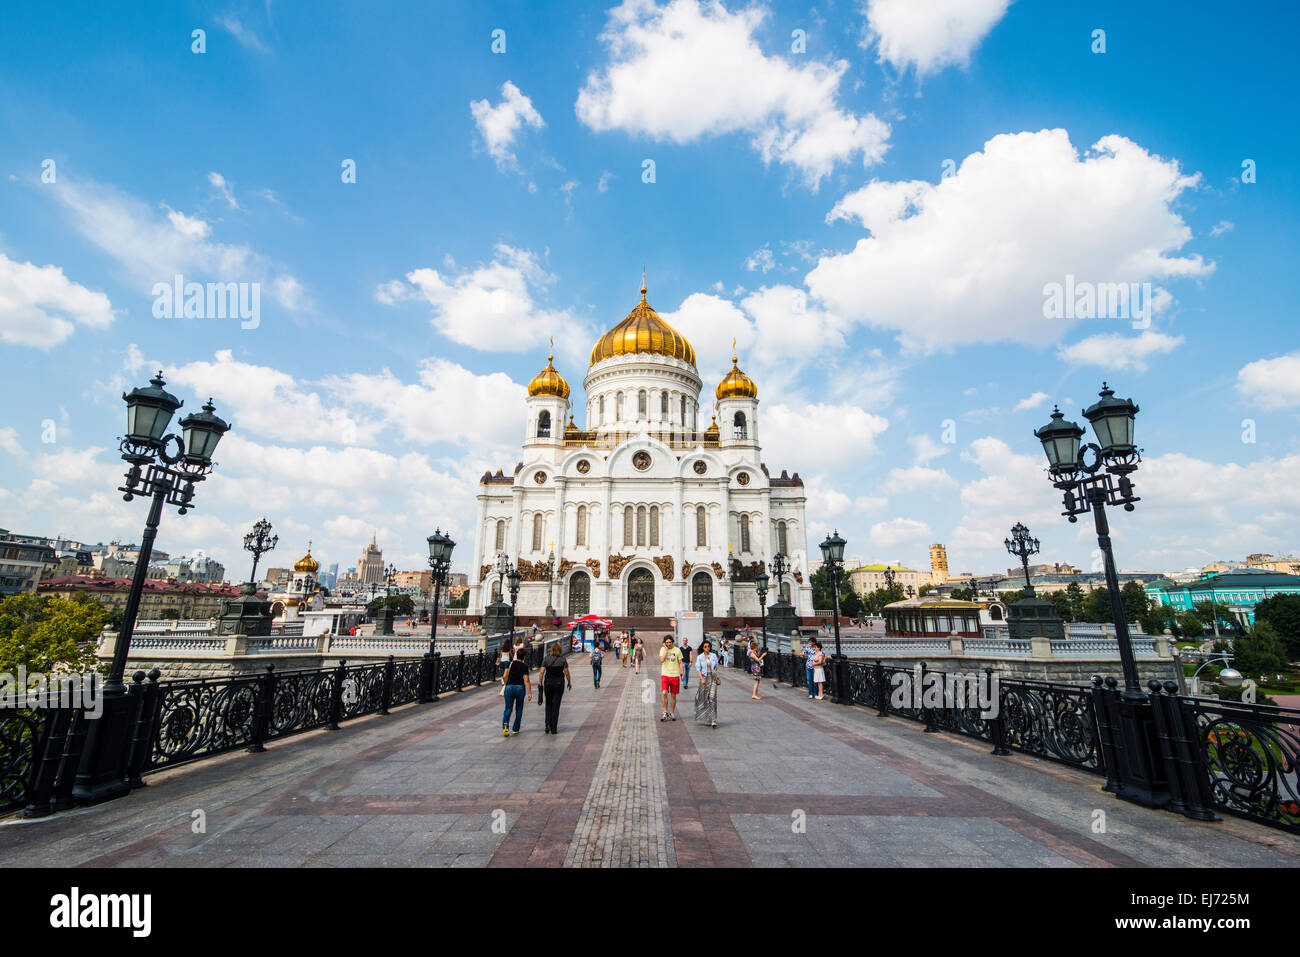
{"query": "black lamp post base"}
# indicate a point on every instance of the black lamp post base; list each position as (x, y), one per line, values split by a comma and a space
(781, 619)
(103, 771)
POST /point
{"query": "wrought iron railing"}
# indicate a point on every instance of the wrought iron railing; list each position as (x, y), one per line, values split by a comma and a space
(1218, 756)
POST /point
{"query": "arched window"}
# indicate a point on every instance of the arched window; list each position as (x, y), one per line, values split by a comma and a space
(640, 525)
(700, 532)
(627, 525)
(544, 425)
(654, 526)
(744, 533)
(640, 404)
(580, 536)
(618, 406)
(501, 536)
(601, 405)
(537, 533)
(663, 405)
(739, 421)
(780, 539)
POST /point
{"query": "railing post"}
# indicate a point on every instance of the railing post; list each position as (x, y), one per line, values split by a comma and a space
(426, 679)
(135, 691)
(882, 691)
(336, 696)
(996, 725)
(931, 726)
(265, 711)
(73, 749)
(47, 754)
(460, 671)
(146, 722)
(1198, 800)
(436, 675)
(390, 668)
(478, 672)
(1165, 743)
(1102, 691)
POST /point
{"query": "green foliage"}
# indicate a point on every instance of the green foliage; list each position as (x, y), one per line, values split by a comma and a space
(874, 603)
(1282, 612)
(1157, 619)
(1261, 652)
(1062, 602)
(1011, 597)
(925, 590)
(1136, 603)
(42, 632)
(963, 594)
(1096, 606)
(461, 602)
(1075, 596)
(1189, 624)
(169, 614)
(401, 604)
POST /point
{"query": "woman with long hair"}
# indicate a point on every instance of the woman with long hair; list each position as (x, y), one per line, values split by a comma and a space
(756, 656)
(555, 675)
(706, 697)
(638, 654)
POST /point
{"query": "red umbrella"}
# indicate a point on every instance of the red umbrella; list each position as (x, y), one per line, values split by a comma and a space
(589, 621)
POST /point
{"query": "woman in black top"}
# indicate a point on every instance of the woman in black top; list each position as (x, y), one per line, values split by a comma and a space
(516, 683)
(555, 676)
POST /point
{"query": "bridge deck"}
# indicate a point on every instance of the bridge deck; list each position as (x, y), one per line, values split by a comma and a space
(438, 785)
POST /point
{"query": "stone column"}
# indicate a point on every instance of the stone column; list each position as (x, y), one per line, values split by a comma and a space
(560, 490)
(680, 589)
(601, 587)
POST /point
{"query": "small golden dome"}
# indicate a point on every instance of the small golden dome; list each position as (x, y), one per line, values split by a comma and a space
(735, 384)
(307, 563)
(643, 332)
(712, 429)
(548, 381)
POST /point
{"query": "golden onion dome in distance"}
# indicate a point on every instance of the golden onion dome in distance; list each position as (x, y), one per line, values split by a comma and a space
(548, 381)
(735, 384)
(307, 563)
(643, 332)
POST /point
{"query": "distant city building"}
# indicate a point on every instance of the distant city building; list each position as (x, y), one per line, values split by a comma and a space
(1240, 589)
(331, 577)
(420, 581)
(938, 565)
(202, 569)
(370, 567)
(190, 600)
(22, 562)
(867, 578)
(1287, 565)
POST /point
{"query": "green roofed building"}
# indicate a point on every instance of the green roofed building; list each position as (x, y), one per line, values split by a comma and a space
(1240, 589)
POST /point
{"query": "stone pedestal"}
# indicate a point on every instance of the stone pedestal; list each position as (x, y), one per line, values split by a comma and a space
(781, 619)
(384, 621)
(1034, 618)
(496, 618)
(249, 614)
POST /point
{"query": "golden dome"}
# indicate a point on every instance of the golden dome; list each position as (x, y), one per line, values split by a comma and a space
(307, 563)
(736, 385)
(712, 430)
(643, 332)
(548, 381)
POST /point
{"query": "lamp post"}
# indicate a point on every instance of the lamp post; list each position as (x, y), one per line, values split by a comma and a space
(1090, 484)
(440, 547)
(512, 577)
(731, 585)
(164, 467)
(760, 586)
(1021, 544)
(832, 554)
(550, 581)
(259, 541)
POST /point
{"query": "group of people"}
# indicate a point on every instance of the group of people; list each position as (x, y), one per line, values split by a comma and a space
(675, 674)
(814, 660)
(517, 685)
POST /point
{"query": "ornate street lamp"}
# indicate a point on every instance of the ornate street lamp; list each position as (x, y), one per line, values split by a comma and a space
(911, 591)
(440, 547)
(1021, 544)
(731, 585)
(166, 468)
(760, 586)
(259, 541)
(889, 578)
(1090, 483)
(550, 581)
(512, 577)
(832, 555)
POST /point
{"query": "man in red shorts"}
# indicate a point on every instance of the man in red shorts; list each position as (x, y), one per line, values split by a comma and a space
(670, 668)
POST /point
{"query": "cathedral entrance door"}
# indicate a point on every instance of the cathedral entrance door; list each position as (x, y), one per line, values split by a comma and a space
(702, 594)
(579, 594)
(640, 593)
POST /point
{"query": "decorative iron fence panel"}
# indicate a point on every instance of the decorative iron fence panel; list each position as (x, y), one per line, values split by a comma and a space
(202, 717)
(363, 690)
(1251, 755)
(1053, 721)
(406, 682)
(20, 736)
(301, 702)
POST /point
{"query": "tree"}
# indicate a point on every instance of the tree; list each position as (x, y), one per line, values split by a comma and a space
(1074, 594)
(43, 633)
(1096, 606)
(1062, 602)
(963, 594)
(1260, 652)
(1157, 619)
(1189, 624)
(169, 614)
(1135, 600)
(925, 590)
(1282, 612)
(1011, 597)
(461, 602)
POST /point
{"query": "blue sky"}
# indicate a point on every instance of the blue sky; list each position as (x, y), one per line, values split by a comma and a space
(891, 314)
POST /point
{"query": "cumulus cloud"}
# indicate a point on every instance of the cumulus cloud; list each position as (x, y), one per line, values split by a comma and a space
(221, 185)
(1112, 350)
(1030, 402)
(500, 125)
(689, 70)
(833, 436)
(967, 260)
(932, 34)
(41, 307)
(918, 478)
(1271, 383)
(492, 307)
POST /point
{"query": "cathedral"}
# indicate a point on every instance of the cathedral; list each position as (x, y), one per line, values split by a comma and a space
(640, 512)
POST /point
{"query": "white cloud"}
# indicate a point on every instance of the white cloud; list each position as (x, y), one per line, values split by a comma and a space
(833, 436)
(606, 178)
(927, 449)
(223, 187)
(966, 260)
(1271, 383)
(1113, 350)
(899, 534)
(499, 125)
(40, 306)
(242, 34)
(710, 323)
(1030, 402)
(690, 70)
(930, 34)
(1223, 226)
(918, 478)
(761, 260)
(492, 308)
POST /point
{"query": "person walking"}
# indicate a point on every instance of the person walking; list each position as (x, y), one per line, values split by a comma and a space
(638, 654)
(505, 654)
(819, 669)
(626, 650)
(686, 663)
(670, 669)
(555, 676)
(756, 656)
(597, 658)
(810, 653)
(517, 682)
(706, 697)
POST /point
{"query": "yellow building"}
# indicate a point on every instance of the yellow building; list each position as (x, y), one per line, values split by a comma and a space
(867, 578)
